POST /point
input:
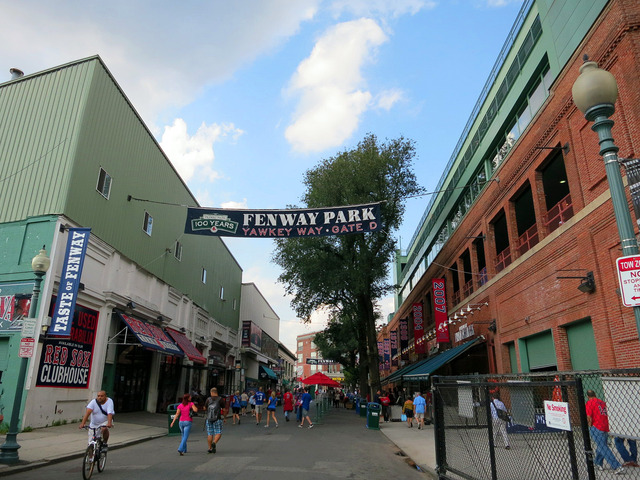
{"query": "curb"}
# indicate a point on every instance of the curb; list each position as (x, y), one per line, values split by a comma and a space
(24, 467)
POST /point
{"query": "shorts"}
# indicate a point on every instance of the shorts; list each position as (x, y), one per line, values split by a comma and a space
(305, 413)
(253, 407)
(244, 404)
(419, 415)
(91, 429)
(259, 408)
(214, 428)
(235, 410)
(409, 413)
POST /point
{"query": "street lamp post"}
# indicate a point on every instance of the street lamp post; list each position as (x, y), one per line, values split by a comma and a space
(595, 93)
(9, 449)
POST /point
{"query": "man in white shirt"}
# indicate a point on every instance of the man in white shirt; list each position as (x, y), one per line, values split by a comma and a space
(101, 411)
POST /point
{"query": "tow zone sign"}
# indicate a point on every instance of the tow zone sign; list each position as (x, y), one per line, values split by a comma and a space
(629, 278)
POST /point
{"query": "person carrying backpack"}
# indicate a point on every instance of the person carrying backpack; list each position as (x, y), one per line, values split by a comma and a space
(214, 408)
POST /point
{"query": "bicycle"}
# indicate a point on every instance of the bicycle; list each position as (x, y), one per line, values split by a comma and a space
(94, 455)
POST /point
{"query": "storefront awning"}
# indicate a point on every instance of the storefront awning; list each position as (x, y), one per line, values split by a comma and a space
(186, 346)
(434, 363)
(151, 336)
(267, 373)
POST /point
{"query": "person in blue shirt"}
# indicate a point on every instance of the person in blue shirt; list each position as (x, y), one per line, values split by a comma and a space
(236, 406)
(419, 407)
(306, 406)
(271, 409)
(260, 398)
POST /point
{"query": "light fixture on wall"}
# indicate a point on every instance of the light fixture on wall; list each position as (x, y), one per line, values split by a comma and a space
(131, 305)
(587, 284)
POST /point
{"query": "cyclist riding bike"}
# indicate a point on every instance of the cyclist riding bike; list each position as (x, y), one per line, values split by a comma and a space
(101, 411)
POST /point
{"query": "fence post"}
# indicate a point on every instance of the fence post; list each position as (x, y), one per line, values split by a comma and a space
(584, 425)
(571, 440)
(492, 446)
(438, 427)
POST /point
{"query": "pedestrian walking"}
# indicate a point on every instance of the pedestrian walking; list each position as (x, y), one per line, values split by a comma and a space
(185, 422)
(305, 407)
(598, 422)
(419, 407)
(407, 410)
(499, 425)
(214, 408)
(298, 405)
(236, 406)
(252, 403)
(272, 403)
(260, 397)
(287, 404)
(244, 401)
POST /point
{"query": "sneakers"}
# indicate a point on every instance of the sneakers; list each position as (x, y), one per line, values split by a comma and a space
(311, 426)
(266, 426)
(210, 450)
(299, 426)
(276, 425)
(619, 471)
(507, 447)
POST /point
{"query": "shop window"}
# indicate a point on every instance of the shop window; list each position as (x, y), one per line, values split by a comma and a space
(203, 276)
(104, 183)
(177, 250)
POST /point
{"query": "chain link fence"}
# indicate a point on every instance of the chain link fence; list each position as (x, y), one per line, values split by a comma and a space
(547, 434)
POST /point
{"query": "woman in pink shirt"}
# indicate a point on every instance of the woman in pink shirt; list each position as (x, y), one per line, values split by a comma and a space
(185, 422)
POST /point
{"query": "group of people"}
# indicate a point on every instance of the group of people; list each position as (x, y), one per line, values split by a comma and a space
(415, 408)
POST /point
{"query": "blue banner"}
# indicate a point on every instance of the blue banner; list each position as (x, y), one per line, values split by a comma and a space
(69, 282)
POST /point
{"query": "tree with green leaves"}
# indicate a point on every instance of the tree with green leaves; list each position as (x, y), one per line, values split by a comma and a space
(348, 274)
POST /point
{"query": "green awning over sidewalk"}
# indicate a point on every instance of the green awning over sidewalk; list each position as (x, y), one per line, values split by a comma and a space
(267, 373)
(426, 369)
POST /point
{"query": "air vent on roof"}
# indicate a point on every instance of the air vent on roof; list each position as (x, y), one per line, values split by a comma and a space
(16, 73)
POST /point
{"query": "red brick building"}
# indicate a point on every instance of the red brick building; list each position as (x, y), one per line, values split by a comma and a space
(310, 361)
(531, 204)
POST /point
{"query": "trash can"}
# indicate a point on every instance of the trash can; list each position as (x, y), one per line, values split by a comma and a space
(171, 411)
(373, 416)
(363, 407)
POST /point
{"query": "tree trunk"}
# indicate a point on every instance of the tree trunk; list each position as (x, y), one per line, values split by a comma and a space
(369, 320)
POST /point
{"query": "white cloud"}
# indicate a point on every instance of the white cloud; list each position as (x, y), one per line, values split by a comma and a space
(232, 204)
(383, 8)
(387, 99)
(191, 154)
(163, 53)
(501, 3)
(330, 86)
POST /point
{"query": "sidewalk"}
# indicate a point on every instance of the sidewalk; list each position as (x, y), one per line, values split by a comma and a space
(55, 444)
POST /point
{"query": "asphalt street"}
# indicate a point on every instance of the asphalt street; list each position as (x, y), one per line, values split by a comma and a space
(339, 447)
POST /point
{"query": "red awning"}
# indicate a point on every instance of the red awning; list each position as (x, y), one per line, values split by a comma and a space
(187, 347)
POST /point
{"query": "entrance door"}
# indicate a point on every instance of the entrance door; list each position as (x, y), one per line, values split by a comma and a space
(131, 384)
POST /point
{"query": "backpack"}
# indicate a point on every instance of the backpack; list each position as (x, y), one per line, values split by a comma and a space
(213, 410)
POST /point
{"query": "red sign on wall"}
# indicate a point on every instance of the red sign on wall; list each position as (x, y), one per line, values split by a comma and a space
(418, 327)
(440, 310)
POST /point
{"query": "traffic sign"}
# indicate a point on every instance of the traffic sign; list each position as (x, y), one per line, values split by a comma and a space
(27, 346)
(629, 278)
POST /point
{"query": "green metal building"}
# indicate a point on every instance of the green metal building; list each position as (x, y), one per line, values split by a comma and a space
(75, 153)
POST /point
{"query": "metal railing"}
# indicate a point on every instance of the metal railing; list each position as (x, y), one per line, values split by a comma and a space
(558, 214)
(503, 259)
(528, 240)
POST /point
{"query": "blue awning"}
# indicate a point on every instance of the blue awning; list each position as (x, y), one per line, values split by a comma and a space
(267, 373)
(423, 371)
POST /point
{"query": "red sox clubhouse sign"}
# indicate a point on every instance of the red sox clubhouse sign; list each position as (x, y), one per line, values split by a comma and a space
(312, 222)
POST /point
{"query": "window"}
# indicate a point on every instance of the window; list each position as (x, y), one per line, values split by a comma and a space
(314, 354)
(177, 250)
(204, 275)
(222, 293)
(235, 303)
(300, 344)
(148, 223)
(299, 358)
(104, 183)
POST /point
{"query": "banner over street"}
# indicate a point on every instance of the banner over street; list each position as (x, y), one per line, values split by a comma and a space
(308, 222)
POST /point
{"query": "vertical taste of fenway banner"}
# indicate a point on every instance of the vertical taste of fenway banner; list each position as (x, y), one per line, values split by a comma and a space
(404, 336)
(393, 340)
(69, 282)
(66, 362)
(380, 357)
(418, 327)
(311, 222)
(440, 310)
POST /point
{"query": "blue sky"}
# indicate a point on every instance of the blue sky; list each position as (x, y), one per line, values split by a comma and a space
(245, 96)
